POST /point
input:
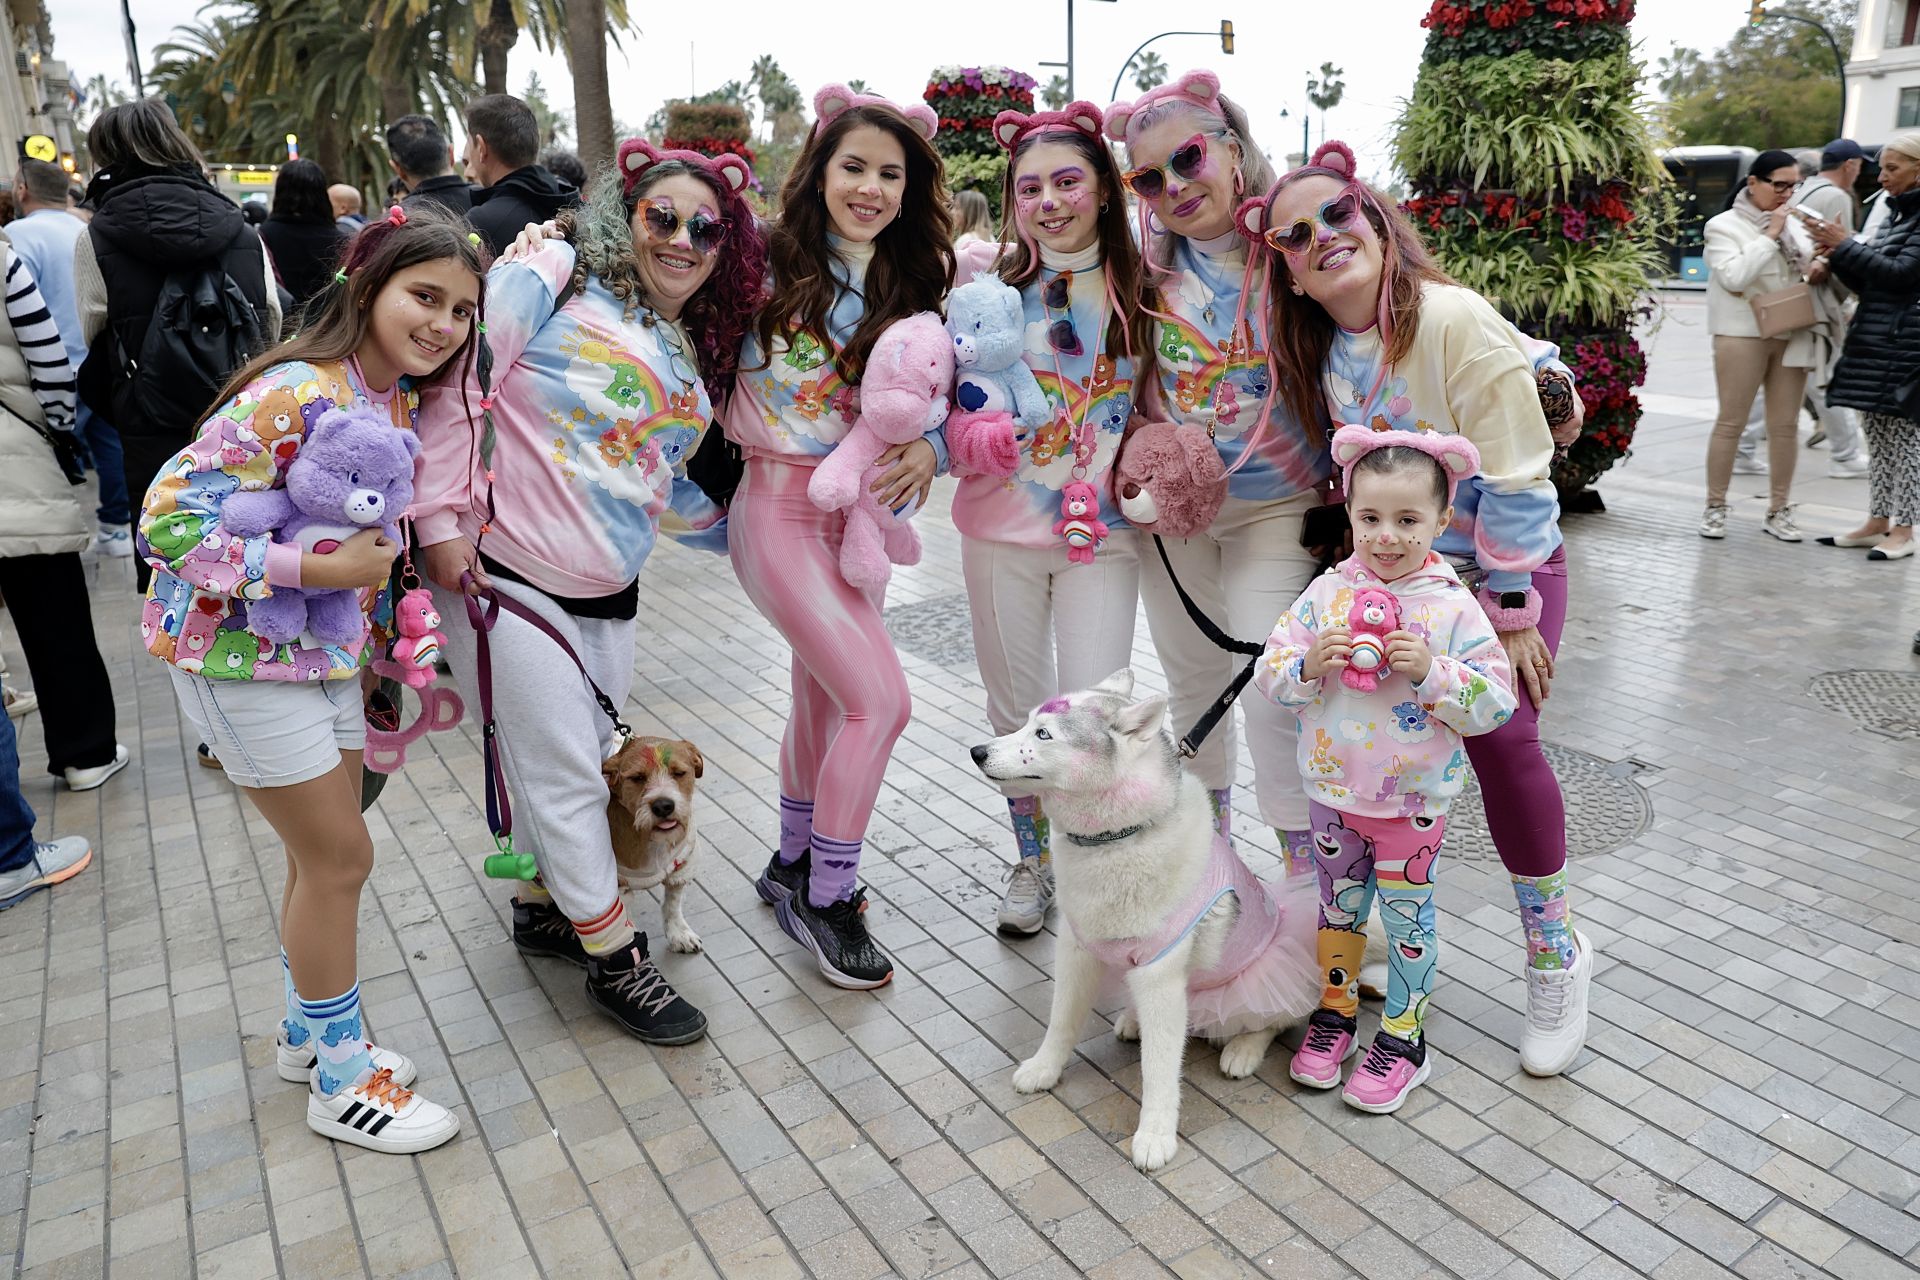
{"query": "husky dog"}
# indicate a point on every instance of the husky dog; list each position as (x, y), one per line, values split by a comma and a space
(1145, 893)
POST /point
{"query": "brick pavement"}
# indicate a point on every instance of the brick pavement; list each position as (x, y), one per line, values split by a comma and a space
(1747, 1104)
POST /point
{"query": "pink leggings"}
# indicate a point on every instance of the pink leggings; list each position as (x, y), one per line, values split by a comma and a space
(1525, 814)
(850, 700)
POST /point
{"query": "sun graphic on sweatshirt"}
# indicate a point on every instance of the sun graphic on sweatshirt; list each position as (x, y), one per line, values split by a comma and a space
(588, 345)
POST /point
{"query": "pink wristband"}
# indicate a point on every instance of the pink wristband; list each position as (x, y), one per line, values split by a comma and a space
(283, 564)
(1527, 615)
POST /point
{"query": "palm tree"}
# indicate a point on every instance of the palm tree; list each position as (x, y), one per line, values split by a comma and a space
(587, 56)
(1149, 72)
(1055, 94)
(858, 85)
(1326, 91)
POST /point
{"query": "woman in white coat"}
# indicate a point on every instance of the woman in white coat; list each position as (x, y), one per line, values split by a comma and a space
(1748, 254)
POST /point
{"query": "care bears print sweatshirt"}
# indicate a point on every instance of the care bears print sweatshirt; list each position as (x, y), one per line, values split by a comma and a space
(1395, 752)
(1472, 373)
(1091, 391)
(596, 416)
(792, 405)
(195, 614)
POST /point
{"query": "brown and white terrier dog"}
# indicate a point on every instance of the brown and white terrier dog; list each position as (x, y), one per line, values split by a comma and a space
(650, 817)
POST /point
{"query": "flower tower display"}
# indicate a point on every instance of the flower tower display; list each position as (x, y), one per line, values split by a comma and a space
(967, 99)
(712, 128)
(1537, 182)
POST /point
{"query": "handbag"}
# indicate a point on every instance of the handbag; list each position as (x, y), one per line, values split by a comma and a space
(1782, 311)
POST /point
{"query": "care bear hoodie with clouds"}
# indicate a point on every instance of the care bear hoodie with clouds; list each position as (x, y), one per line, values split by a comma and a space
(1395, 752)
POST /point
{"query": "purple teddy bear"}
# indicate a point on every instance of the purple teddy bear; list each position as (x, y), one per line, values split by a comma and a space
(353, 471)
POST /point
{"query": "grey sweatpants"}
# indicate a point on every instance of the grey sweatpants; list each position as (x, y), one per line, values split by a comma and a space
(553, 736)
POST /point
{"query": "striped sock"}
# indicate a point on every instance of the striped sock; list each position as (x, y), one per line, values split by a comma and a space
(836, 863)
(293, 1027)
(608, 932)
(1031, 829)
(339, 1037)
(796, 827)
(533, 892)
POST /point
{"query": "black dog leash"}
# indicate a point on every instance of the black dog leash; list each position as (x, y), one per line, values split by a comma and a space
(1190, 743)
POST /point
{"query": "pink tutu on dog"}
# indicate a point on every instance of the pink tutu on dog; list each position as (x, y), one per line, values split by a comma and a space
(1269, 970)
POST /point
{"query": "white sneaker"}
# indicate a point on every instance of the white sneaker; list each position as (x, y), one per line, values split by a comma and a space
(1714, 523)
(1780, 524)
(1847, 468)
(1557, 1013)
(1749, 465)
(51, 863)
(21, 702)
(295, 1063)
(1029, 894)
(116, 542)
(380, 1115)
(88, 779)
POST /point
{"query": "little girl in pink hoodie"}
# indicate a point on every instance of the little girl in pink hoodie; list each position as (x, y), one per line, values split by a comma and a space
(1388, 661)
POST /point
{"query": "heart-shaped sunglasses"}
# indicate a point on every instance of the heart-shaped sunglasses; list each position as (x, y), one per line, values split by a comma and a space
(704, 233)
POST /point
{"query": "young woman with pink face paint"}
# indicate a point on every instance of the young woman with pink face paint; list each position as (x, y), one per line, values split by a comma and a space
(1050, 616)
(1367, 326)
(1193, 161)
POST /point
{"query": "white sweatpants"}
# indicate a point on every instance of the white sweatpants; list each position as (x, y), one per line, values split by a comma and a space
(1243, 572)
(1044, 626)
(553, 736)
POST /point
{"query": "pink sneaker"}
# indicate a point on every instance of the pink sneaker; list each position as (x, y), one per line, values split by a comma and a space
(1387, 1074)
(1329, 1042)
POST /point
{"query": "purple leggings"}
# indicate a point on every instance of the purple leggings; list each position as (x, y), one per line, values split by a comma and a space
(1525, 814)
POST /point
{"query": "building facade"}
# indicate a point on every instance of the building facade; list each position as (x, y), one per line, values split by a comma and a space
(1883, 79)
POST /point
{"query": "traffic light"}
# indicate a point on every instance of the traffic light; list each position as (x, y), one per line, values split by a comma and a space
(1756, 11)
(1226, 32)
(293, 146)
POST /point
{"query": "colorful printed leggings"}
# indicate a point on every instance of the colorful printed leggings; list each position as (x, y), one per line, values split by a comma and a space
(1395, 858)
(850, 700)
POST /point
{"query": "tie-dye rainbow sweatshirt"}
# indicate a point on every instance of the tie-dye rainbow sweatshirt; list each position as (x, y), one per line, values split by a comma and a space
(195, 615)
(1472, 373)
(1211, 374)
(1091, 387)
(596, 416)
(793, 406)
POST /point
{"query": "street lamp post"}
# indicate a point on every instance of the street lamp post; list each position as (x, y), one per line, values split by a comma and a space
(1226, 46)
(1070, 48)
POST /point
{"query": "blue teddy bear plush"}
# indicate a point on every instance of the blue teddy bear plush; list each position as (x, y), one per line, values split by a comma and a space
(993, 388)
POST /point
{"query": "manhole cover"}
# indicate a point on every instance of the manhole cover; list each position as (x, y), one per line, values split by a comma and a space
(1606, 808)
(939, 630)
(1883, 702)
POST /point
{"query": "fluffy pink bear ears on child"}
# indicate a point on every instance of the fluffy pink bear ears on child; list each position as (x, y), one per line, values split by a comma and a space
(1196, 88)
(637, 155)
(1455, 454)
(1009, 127)
(833, 99)
(1333, 159)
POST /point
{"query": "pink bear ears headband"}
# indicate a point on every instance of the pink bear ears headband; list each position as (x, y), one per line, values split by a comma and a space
(834, 99)
(1197, 88)
(1333, 156)
(1009, 127)
(637, 155)
(1455, 454)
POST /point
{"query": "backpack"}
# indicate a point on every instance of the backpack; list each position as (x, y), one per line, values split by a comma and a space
(203, 328)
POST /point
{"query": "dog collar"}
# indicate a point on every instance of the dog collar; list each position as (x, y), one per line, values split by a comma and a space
(1106, 837)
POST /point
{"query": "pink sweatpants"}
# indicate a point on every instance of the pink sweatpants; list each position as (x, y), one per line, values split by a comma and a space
(850, 700)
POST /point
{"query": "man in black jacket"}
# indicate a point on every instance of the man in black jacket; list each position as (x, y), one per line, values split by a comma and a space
(423, 158)
(503, 140)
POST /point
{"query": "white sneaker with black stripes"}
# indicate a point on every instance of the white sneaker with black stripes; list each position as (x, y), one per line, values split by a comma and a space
(381, 1116)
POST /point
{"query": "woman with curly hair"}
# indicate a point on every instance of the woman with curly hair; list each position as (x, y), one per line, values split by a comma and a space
(604, 344)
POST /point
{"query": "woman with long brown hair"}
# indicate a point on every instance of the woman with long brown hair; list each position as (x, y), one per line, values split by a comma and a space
(1042, 578)
(863, 240)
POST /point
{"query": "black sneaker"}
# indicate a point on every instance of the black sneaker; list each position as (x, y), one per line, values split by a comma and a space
(837, 936)
(627, 988)
(781, 880)
(540, 929)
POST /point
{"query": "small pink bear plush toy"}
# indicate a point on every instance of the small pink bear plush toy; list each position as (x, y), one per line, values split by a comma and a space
(1080, 522)
(903, 395)
(1375, 613)
(420, 642)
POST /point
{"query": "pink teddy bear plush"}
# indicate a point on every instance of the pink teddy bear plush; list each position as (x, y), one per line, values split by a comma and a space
(1375, 614)
(903, 395)
(1080, 523)
(1169, 479)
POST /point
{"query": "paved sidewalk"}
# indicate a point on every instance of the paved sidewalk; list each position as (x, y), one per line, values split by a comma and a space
(1747, 1104)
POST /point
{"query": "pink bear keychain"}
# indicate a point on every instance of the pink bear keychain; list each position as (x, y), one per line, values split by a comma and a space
(412, 663)
(420, 642)
(1080, 522)
(1375, 613)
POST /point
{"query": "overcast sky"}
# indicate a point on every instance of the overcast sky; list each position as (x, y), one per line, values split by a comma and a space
(693, 47)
